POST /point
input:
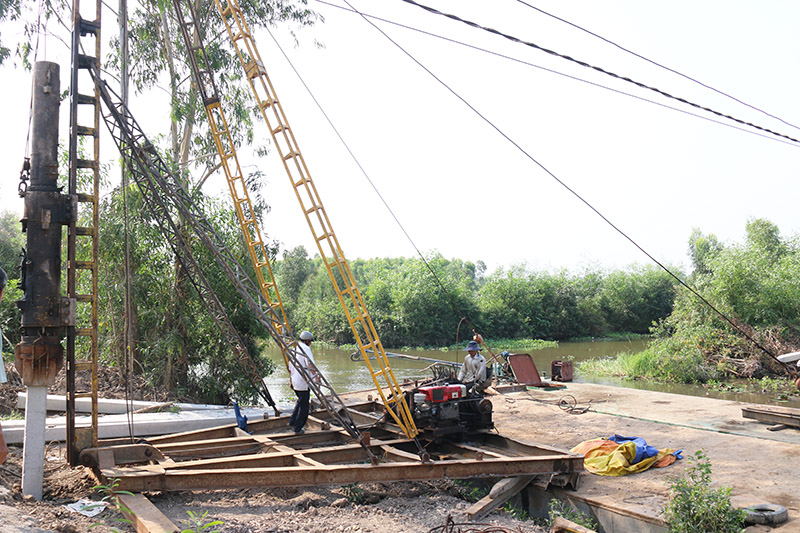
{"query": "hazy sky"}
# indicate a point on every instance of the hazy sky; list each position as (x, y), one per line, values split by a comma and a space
(459, 186)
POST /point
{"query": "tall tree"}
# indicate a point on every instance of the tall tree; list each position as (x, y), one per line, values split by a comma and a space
(158, 64)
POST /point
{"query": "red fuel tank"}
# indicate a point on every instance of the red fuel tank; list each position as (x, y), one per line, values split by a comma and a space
(443, 393)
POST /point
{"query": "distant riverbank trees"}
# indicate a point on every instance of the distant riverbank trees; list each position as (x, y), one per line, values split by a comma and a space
(412, 307)
(753, 283)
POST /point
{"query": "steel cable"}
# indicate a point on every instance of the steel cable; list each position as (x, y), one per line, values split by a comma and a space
(598, 69)
(578, 196)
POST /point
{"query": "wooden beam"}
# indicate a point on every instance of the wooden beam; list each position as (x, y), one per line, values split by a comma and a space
(787, 416)
(503, 490)
(394, 454)
(562, 525)
(472, 451)
(146, 517)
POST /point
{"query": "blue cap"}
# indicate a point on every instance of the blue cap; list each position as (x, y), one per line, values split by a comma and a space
(472, 346)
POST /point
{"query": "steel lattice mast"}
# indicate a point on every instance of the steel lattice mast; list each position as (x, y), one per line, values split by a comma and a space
(327, 243)
(166, 196)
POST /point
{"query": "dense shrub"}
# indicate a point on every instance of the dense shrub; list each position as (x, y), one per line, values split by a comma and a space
(697, 506)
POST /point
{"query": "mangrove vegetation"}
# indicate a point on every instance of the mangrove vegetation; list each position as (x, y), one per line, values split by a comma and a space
(754, 290)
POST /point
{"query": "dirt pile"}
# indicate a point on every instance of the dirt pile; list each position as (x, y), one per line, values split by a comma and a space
(374, 508)
(62, 485)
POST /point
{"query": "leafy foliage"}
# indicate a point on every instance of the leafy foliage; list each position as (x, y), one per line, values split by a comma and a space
(755, 285)
(12, 241)
(162, 320)
(111, 498)
(199, 523)
(353, 493)
(10, 318)
(697, 506)
(409, 307)
(565, 510)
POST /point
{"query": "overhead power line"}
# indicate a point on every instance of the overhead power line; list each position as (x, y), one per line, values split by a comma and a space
(575, 193)
(596, 68)
(612, 43)
(562, 74)
(366, 175)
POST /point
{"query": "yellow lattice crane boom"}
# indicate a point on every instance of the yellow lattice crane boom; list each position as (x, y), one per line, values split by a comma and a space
(332, 256)
(229, 160)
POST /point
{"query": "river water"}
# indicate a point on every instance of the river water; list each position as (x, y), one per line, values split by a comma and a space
(347, 375)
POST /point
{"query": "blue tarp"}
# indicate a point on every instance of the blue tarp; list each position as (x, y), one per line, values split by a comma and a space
(643, 450)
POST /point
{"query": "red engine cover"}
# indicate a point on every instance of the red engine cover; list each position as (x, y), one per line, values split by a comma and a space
(443, 393)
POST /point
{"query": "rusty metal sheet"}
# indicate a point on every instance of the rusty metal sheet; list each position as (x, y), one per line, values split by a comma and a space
(524, 369)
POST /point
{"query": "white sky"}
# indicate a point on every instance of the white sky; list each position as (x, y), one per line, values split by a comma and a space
(461, 189)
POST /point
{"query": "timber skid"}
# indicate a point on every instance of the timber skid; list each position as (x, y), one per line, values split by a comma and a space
(270, 454)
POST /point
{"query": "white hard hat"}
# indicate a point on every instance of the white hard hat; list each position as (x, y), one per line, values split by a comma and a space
(306, 336)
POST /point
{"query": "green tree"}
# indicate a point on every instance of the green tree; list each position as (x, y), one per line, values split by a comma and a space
(512, 304)
(158, 60)
(702, 249)
(755, 285)
(12, 241)
(291, 273)
(157, 53)
(764, 237)
(632, 300)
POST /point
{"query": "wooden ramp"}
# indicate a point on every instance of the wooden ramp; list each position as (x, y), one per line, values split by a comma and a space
(269, 454)
(784, 416)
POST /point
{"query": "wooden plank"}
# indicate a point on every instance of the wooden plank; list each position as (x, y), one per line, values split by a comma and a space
(503, 490)
(145, 516)
(562, 525)
(787, 411)
(393, 454)
(787, 416)
(473, 452)
(778, 427)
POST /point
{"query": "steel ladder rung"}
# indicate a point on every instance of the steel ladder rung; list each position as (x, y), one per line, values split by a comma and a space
(254, 68)
(85, 99)
(85, 130)
(325, 236)
(86, 61)
(86, 27)
(86, 163)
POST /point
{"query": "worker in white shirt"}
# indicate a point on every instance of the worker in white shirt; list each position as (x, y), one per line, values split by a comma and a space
(305, 359)
(473, 371)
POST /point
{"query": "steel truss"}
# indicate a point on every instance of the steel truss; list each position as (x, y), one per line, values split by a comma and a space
(226, 457)
(165, 195)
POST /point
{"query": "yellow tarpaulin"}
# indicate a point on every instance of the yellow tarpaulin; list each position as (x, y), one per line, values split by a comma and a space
(605, 457)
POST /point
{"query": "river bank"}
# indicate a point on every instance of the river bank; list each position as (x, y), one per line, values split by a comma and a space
(346, 374)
